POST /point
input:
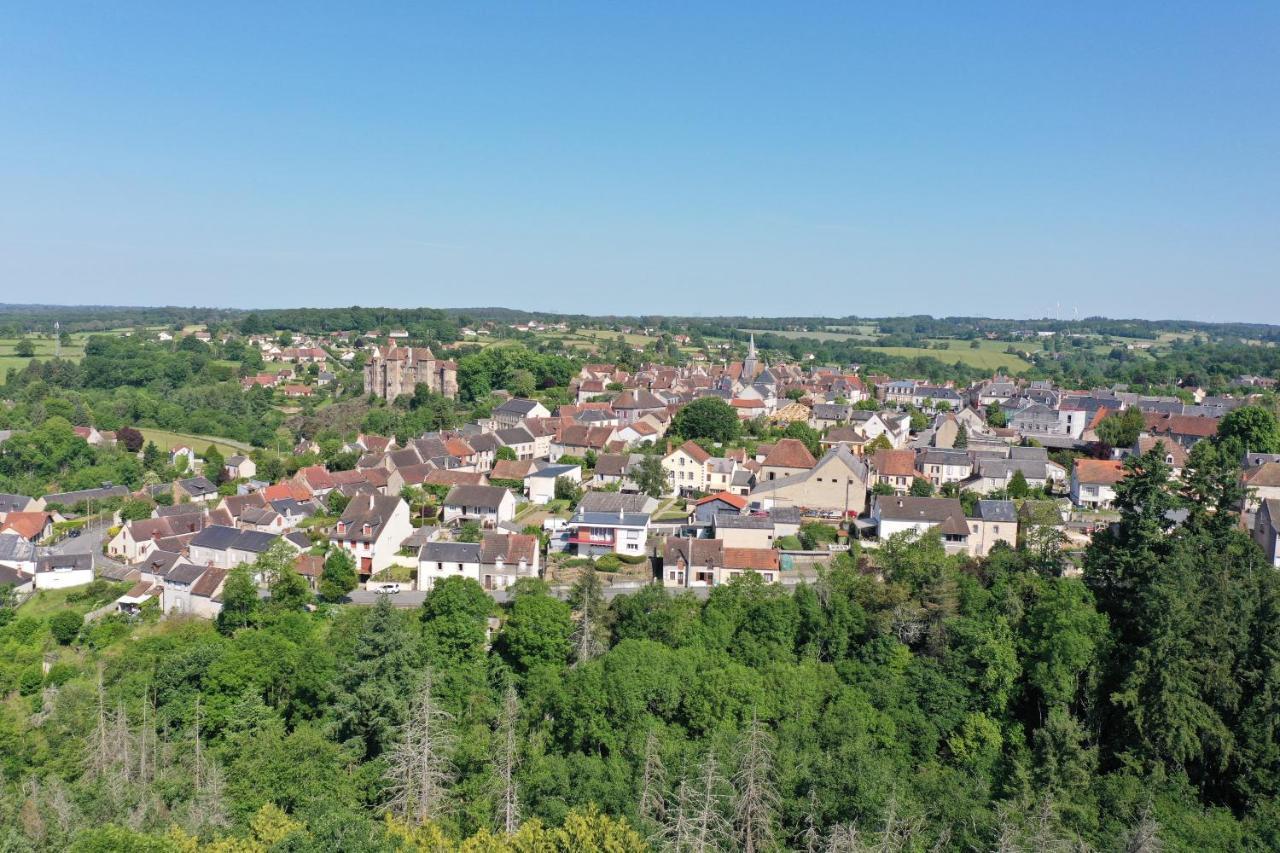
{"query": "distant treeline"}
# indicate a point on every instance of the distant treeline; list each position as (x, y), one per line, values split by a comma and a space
(442, 324)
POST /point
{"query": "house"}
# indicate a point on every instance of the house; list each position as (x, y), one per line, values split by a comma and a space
(614, 468)
(520, 440)
(895, 514)
(945, 466)
(440, 560)
(1183, 429)
(851, 437)
(371, 529)
(18, 555)
(691, 562)
(894, 468)
(706, 509)
(631, 406)
(1093, 482)
(193, 590)
(591, 533)
(1261, 483)
(452, 477)
(579, 440)
(1266, 530)
(515, 410)
(720, 472)
(757, 530)
(18, 503)
(240, 467)
(686, 468)
(87, 497)
(195, 489)
(489, 505)
(709, 562)
(182, 457)
(542, 482)
(824, 416)
(59, 571)
(992, 522)
(995, 474)
(136, 539)
(506, 558)
(34, 527)
(788, 456)
(227, 547)
(316, 479)
(836, 483)
(617, 502)
(1173, 454)
(17, 580)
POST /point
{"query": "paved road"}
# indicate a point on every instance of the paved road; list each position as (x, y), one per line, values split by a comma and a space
(413, 597)
(88, 542)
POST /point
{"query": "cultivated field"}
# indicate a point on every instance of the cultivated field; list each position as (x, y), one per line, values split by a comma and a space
(166, 440)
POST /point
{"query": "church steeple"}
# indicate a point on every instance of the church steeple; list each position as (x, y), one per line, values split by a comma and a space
(749, 363)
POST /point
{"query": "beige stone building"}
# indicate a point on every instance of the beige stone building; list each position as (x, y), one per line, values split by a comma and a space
(398, 370)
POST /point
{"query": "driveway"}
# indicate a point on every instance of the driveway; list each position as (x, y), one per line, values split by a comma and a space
(88, 542)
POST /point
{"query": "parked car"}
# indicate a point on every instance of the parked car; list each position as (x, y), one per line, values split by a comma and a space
(386, 589)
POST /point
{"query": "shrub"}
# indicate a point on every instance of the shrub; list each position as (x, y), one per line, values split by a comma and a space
(65, 626)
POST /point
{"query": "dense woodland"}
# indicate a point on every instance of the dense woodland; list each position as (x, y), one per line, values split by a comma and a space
(908, 700)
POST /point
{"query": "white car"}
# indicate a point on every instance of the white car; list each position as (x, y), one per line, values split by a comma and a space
(386, 589)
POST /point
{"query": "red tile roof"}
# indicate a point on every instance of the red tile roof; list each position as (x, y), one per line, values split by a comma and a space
(737, 501)
(791, 453)
(1099, 471)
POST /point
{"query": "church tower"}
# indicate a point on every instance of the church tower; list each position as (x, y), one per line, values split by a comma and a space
(749, 363)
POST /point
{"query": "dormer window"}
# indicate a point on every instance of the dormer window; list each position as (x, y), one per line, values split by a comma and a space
(342, 527)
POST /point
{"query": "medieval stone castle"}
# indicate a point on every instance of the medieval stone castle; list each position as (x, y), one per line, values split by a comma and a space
(398, 370)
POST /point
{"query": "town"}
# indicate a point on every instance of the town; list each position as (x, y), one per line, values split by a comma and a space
(684, 472)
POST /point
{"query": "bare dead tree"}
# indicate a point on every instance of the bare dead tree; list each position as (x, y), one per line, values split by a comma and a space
(709, 828)
(677, 829)
(506, 758)
(587, 599)
(756, 802)
(844, 838)
(653, 782)
(208, 808)
(811, 838)
(419, 766)
(1145, 836)
(99, 752)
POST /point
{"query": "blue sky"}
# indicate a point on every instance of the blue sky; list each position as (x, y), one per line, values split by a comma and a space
(999, 159)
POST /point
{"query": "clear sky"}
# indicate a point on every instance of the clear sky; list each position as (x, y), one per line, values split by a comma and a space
(767, 158)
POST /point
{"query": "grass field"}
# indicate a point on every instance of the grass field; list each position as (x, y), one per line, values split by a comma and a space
(166, 440)
(991, 357)
(45, 348)
(813, 336)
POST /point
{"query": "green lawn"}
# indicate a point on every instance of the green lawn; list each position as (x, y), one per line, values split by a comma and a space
(166, 440)
(813, 336)
(983, 358)
(45, 349)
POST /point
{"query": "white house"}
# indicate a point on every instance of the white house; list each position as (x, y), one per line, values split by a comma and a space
(59, 571)
(542, 483)
(900, 513)
(594, 533)
(371, 529)
(1093, 482)
(489, 505)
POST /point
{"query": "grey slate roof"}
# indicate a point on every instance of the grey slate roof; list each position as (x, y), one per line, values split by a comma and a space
(485, 497)
(220, 538)
(54, 562)
(15, 549)
(69, 499)
(450, 552)
(610, 519)
(997, 511)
